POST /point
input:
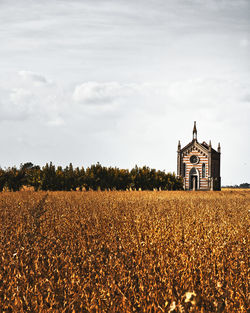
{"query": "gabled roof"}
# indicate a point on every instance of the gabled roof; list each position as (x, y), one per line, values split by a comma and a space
(197, 144)
(214, 151)
(203, 146)
(207, 147)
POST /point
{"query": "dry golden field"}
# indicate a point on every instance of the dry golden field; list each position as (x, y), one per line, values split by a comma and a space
(124, 251)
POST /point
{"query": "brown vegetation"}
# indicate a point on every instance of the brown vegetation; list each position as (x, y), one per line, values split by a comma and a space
(124, 251)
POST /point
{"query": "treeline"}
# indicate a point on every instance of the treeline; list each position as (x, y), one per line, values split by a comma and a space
(95, 177)
(241, 186)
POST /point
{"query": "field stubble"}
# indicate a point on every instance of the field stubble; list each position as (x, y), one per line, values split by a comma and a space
(124, 251)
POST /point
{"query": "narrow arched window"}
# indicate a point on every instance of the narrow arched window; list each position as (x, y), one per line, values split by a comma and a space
(184, 169)
(203, 170)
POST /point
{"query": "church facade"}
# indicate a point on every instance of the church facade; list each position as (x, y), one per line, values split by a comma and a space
(199, 165)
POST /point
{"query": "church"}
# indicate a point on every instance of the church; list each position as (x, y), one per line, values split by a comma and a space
(199, 165)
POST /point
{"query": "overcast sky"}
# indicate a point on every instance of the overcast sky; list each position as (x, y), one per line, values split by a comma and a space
(121, 81)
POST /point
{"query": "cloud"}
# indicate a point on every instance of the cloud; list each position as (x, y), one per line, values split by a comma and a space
(55, 104)
(114, 112)
(244, 43)
(20, 95)
(33, 77)
(246, 97)
(56, 121)
(208, 92)
(30, 96)
(98, 93)
(104, 92)
(185, 94)
(14, 105)
(122, 77)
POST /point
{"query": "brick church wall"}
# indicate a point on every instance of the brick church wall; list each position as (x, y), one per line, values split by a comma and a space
(208, 156)
(203, 182)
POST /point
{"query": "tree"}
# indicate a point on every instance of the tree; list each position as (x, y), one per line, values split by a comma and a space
(14, 179)
(2, 179)
(95, 177)
(48, 177)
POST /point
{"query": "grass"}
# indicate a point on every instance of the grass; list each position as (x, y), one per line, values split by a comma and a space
(124, 251)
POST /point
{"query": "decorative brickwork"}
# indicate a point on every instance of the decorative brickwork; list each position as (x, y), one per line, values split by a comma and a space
(199, 165)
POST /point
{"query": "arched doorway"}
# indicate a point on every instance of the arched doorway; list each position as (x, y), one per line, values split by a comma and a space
(194, 179)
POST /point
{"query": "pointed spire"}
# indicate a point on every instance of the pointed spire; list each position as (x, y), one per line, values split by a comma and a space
(210, 145)
(179, 145)
(194, 132)
(218, 147)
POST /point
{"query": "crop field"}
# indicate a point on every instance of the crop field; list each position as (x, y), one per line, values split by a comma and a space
(143, 251)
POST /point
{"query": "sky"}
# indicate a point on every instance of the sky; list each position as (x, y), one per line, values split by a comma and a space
(121, 81)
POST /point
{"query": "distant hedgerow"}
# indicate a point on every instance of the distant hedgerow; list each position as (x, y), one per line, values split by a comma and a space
(95, 177)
